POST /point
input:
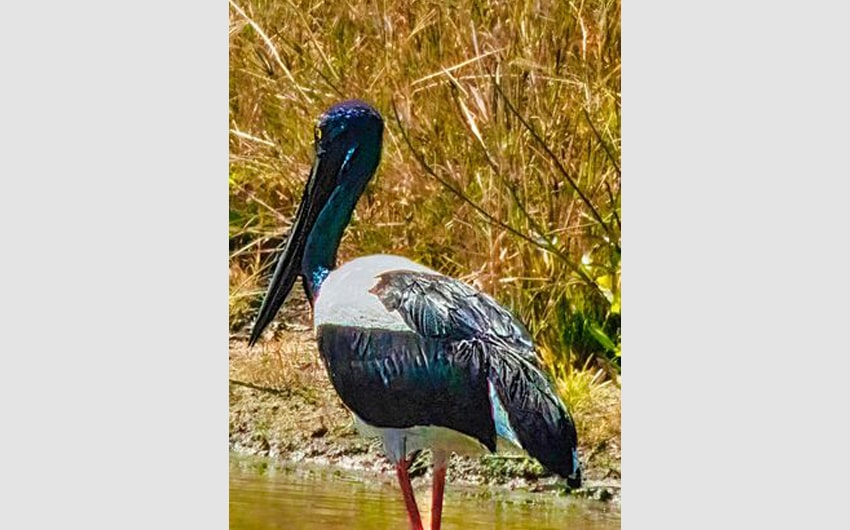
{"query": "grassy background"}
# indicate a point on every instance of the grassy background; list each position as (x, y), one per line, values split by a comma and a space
(501, 153)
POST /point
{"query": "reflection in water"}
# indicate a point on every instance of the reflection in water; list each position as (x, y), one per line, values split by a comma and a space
(290, 500)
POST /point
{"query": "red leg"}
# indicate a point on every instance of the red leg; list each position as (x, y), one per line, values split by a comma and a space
(440, 462)
(407, 491)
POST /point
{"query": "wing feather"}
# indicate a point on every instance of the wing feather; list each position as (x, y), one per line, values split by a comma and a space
(449, 311)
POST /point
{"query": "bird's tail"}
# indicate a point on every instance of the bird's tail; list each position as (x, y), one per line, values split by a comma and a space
(537, 418)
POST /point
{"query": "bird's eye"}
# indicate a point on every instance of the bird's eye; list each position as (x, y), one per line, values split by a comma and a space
(318, 134)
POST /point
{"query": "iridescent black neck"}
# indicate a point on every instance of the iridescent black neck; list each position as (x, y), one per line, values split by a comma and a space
(323, 242)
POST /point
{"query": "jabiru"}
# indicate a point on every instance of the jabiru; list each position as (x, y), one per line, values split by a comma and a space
(422, 360)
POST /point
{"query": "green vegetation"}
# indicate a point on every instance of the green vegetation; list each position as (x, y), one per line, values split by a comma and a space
(501, 155)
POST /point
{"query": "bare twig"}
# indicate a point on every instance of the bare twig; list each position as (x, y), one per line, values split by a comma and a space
(602, 142)
(555, 160)
(446, 184)
(258, 387)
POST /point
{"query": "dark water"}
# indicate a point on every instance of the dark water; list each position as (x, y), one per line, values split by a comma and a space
(306, 499)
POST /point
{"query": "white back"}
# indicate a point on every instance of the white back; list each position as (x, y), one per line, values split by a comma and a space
(344, 297)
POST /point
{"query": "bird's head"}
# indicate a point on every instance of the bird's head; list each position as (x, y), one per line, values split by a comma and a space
(348, 148)
(347, 151)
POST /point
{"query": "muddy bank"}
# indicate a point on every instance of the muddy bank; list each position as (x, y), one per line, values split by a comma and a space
(282, 407)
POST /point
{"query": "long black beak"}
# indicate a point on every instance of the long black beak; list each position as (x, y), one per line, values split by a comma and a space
(316, 193)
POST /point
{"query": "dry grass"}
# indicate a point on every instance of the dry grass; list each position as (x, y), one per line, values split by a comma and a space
(289, 365)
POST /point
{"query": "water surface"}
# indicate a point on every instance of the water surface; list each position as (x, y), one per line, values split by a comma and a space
(302, 498)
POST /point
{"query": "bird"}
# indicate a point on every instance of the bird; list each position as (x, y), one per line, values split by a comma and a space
(421, 360)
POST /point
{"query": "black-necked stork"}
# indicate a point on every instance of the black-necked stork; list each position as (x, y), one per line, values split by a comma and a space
(422, 360)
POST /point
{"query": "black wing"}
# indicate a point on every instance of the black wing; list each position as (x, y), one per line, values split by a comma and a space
(440, 307)
(448, 311)
(400, 379)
